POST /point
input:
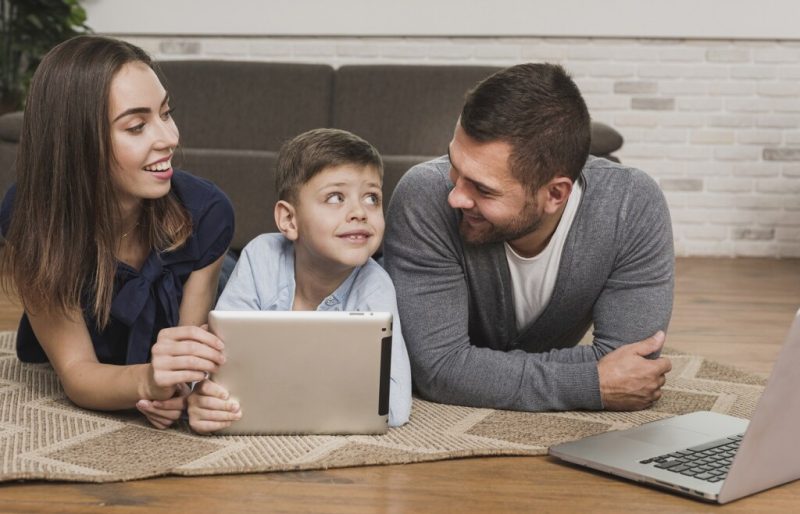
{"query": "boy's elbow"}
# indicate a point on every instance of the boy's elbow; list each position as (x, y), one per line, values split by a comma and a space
(400, 403)
(399, 416)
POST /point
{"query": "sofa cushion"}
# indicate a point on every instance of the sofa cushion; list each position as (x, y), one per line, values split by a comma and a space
(403, 110)
(394, 167)
(247, 177)
(246, 105)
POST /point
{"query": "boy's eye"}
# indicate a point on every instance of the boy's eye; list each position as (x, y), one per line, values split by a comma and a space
(334, 198)
(373, 199)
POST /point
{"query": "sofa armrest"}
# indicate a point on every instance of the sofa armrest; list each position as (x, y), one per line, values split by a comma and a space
(10, 126)
(605, 140)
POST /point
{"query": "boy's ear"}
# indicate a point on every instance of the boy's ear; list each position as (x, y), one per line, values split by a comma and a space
(286, 220)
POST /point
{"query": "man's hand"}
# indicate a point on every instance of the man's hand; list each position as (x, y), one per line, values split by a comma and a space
(630, 381)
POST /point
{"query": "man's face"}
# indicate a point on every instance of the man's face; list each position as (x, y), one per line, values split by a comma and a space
(495, 206)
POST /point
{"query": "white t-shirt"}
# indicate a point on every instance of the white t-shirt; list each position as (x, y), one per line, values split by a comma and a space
(534, 277)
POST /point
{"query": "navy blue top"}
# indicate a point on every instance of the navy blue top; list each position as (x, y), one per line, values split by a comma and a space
(147, 300)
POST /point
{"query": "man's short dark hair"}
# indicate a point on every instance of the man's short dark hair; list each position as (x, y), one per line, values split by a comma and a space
(539, 111)
(305, 155)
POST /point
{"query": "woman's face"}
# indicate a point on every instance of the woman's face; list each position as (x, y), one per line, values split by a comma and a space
(143, 135)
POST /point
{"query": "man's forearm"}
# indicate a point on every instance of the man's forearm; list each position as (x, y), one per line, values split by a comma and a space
(481, 377)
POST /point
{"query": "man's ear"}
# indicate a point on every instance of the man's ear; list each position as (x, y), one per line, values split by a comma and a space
(286, 220)
(557, 193)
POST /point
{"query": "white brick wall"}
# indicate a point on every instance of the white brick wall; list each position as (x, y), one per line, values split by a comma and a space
(716, 123)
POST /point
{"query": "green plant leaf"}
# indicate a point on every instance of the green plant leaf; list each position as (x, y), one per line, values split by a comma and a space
(35, 21)
(28, 30)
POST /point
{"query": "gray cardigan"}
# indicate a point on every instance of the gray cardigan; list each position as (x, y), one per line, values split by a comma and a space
(455, 300)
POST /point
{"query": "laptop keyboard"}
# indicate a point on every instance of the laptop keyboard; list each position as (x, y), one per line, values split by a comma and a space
(709, 462)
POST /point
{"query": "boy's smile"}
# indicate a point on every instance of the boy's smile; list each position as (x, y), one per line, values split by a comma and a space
(356, 236)
(338, 219)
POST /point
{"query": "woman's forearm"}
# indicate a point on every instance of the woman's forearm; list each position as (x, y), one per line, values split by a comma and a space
(109, 387)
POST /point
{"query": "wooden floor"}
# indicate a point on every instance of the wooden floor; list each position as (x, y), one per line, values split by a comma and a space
(734, 311)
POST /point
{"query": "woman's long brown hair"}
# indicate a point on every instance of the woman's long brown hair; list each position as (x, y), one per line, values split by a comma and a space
(60, 247)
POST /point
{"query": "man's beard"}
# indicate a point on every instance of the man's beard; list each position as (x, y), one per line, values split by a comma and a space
(527, 221)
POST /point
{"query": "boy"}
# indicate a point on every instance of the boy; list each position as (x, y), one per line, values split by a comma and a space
(331, 221)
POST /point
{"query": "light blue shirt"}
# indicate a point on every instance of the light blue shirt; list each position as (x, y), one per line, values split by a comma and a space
(263, 280)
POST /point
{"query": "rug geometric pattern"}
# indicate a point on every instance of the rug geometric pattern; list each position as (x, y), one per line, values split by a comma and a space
(44, 436)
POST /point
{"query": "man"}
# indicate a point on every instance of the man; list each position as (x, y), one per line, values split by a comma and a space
(506, 251)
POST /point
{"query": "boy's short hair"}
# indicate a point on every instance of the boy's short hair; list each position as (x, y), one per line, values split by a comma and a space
(305, 155)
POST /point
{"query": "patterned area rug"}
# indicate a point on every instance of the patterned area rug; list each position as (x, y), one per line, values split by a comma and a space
(44, 436)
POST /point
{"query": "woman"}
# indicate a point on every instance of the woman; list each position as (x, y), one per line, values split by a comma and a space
(114, 254)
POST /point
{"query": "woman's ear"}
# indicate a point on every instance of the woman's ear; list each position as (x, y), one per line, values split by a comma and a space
(286, 220)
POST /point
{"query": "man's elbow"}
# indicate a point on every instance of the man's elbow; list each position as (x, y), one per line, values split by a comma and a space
(432, 387)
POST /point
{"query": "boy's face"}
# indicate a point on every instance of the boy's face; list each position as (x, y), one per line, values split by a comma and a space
(339, 217)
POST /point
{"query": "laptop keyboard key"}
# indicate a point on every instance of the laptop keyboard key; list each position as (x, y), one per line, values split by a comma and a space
(709, 462)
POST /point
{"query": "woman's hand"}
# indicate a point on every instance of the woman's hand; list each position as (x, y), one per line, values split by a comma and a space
(211, 409)
(163, 413)
(181, 355)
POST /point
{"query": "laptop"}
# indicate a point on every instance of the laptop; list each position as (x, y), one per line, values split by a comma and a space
(706, 455)
(306, 372)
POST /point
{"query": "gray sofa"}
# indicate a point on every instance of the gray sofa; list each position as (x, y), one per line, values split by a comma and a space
(234, 116)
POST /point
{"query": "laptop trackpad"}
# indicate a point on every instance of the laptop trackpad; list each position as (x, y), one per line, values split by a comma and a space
(666, 435)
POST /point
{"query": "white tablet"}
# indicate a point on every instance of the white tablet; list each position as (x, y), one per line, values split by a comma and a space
(306, 372)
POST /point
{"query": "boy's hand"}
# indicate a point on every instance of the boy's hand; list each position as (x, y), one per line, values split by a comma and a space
(163, 413)
(211, 409)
